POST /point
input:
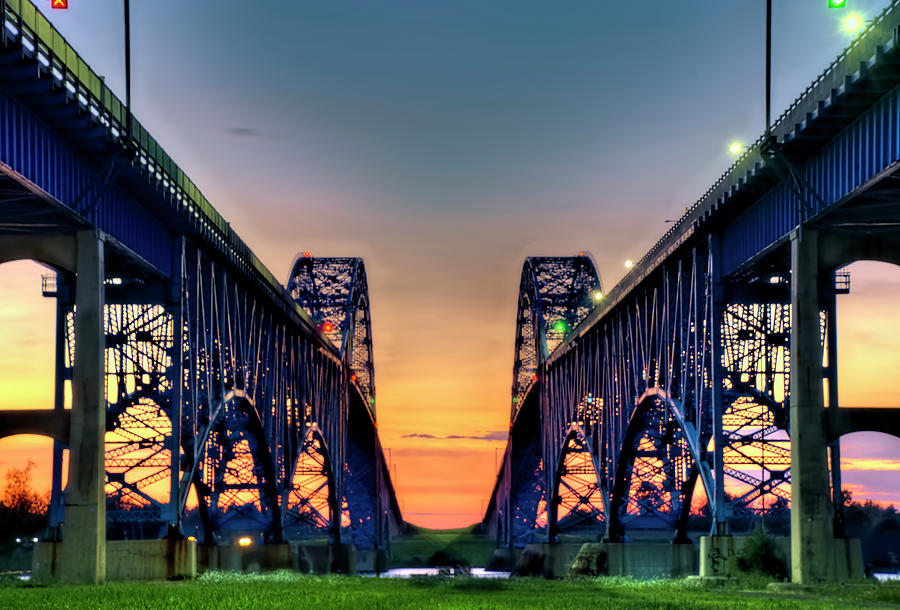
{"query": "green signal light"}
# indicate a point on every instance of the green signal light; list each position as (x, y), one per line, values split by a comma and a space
(837, 3)
(559, 326)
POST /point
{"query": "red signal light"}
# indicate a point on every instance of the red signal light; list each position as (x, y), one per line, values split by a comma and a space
(59, 4)
(352, 377)
(327, 327)
(306, 254)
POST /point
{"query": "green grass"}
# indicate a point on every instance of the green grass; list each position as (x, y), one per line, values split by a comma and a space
(290, 590)
(413, 549)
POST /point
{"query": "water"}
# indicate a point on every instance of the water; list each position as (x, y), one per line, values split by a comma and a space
(410, 572)
(883, 576)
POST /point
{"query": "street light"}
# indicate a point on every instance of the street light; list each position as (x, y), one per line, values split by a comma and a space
(735, 148)
(629, 264)
(852, 23)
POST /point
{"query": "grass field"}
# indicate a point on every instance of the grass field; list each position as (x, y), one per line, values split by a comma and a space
(290, 590)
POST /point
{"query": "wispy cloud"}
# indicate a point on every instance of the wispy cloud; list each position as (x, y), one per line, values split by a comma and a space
(494, 435)
(249, 132)
(869, 464)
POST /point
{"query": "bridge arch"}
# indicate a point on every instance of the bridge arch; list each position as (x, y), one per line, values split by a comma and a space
(334, 292)
(310, 503)
(555, 294)
(659, 460)
(233, 473)
(57, 251)
(580, 474)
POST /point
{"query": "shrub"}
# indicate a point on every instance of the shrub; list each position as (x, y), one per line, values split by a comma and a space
(759, 554)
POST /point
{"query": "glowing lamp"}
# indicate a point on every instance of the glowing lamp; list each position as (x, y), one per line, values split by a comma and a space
(597, 295)
(245, 541)
(735, 148)
(629, 264)
(534, 377)
(837, 3)
(372, 401)
(191, 539)
(560, 326)
(852, 23)
(306, 254)
(353, 377)
(327, 327)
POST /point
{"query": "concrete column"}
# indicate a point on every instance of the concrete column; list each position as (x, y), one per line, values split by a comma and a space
(812, 541)
(84, 532)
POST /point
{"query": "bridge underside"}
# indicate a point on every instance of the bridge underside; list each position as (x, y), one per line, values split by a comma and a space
(193, 392)
(704, 384)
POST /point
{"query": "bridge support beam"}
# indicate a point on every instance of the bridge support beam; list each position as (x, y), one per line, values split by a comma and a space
(812, 537)
(83, 550)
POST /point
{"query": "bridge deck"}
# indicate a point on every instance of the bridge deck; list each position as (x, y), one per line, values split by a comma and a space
(841, 97)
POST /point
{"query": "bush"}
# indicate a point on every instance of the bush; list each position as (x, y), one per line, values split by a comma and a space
(759, 554)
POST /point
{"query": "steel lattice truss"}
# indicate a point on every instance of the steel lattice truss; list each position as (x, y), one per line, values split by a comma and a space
(617, 417)
(272, 429)
(335, 294)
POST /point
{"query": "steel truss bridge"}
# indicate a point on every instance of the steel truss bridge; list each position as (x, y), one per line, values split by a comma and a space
(702, 370)
(197, 394)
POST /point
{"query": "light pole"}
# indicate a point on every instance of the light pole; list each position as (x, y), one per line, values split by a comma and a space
(768, 67)
(128, 68)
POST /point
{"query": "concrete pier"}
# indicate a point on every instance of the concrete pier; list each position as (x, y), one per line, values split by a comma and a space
(812, 529)
(84, 552)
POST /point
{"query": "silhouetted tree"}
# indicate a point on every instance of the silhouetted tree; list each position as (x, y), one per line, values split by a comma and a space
(22, 510)
(18, 496)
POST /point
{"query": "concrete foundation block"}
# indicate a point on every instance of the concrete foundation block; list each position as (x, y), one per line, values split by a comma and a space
(504, 560)
(547, 560)
(150, 559)
(45, 561)
(126, 560)
(344, 559)
(253, 558)
(371, 560)
(718, 556)
(643, 560)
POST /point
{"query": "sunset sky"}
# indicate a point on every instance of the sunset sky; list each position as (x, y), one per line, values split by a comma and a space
(444, 142)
